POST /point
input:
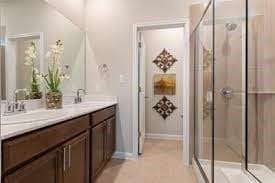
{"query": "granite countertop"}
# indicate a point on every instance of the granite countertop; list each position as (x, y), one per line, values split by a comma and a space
(66, 113)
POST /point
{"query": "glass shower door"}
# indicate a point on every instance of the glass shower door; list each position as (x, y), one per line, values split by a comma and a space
(230, 88)
(203, 95)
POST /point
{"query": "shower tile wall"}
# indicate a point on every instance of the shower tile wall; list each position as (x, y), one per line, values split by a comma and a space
(228, 112)
(234, 105)
(229, 62)
(261, 121)
(228, 71)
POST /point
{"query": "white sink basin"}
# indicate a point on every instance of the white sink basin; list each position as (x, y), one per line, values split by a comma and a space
(89, 104)
(31, 117)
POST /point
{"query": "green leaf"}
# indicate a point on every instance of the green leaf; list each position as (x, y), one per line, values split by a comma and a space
(56, 79)
(51, 81)
(47, 82)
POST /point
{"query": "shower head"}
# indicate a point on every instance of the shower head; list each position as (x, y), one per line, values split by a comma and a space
(226, 49)
(231, 26)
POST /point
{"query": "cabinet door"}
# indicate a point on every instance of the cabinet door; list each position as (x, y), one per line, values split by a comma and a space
(110, 137)
(76, 160)
(98, 149)
(46, 169)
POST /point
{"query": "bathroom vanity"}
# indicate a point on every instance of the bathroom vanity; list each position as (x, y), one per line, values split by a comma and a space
(74, 150)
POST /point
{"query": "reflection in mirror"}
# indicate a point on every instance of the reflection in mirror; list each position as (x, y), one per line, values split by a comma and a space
(24, 66)
(27, 22)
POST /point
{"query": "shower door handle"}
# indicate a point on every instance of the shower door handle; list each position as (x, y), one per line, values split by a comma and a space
(209, 97)
(227, 92)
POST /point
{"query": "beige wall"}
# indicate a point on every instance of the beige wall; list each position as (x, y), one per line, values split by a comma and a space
(72, 9)
(173, 41)
(109, 29)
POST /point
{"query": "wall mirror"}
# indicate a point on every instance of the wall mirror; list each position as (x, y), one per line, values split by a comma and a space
(28, 22)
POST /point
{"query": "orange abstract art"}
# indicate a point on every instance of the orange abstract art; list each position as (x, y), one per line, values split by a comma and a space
(165, 84)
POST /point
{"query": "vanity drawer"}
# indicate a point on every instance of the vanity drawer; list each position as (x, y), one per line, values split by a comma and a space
(102, 115)
(26, 147)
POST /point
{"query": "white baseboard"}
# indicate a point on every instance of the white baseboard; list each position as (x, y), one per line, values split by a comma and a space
(163, 136)
(123, 155)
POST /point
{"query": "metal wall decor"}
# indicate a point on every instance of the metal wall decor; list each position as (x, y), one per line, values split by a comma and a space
(165, 60)
(207, 58)
(206, 108)
(165, 107)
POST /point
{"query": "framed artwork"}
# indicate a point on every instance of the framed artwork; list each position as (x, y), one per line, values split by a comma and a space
(164, 84)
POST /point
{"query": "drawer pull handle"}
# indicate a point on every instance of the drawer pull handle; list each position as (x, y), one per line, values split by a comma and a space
(64, 159)
(69, 156)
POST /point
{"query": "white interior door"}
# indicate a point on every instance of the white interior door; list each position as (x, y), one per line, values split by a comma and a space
(142, 90)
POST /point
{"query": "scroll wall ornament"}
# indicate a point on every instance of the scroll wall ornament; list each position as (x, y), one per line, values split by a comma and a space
(206, 108)
(165, 107)
(207, 58)
(165, 60)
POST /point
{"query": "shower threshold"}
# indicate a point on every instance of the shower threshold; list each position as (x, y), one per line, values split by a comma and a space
(230, 172)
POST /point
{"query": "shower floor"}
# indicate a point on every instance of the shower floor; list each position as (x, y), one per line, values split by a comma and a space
(226, 172)
(230, 172)
(223, 152)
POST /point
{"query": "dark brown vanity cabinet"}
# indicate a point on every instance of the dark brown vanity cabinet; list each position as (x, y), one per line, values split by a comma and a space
(103, 139)
(66, 164)
(110, 137)
(73, 151)
(57, 154)
(76, 160)
(46, 169)
(98, 149)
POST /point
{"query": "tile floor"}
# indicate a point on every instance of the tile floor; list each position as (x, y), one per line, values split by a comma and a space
(161, 162)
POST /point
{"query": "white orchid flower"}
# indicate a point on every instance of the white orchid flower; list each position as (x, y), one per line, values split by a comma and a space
(36, 71)
(62, 77)
(39, 77)
(28, 61)
(55, 67)
(48, 54)
(67, 76)
(33, 55)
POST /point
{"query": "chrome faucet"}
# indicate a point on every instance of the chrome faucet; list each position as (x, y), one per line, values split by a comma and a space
(16, 106)
(78, 98)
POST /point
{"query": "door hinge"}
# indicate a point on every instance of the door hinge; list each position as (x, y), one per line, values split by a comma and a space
(139, 89)
(139, 134)
(139, 44)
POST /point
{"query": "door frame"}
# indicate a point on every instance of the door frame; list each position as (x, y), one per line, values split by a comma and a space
(186, 83)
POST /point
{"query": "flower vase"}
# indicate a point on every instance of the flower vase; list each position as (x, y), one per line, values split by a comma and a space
(36, 95)
(54, 100)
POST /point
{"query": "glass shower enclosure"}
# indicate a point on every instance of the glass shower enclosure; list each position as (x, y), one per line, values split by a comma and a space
(234, 84)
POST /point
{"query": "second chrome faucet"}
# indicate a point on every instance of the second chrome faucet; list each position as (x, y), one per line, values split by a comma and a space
(78, 98)
(16, 106)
